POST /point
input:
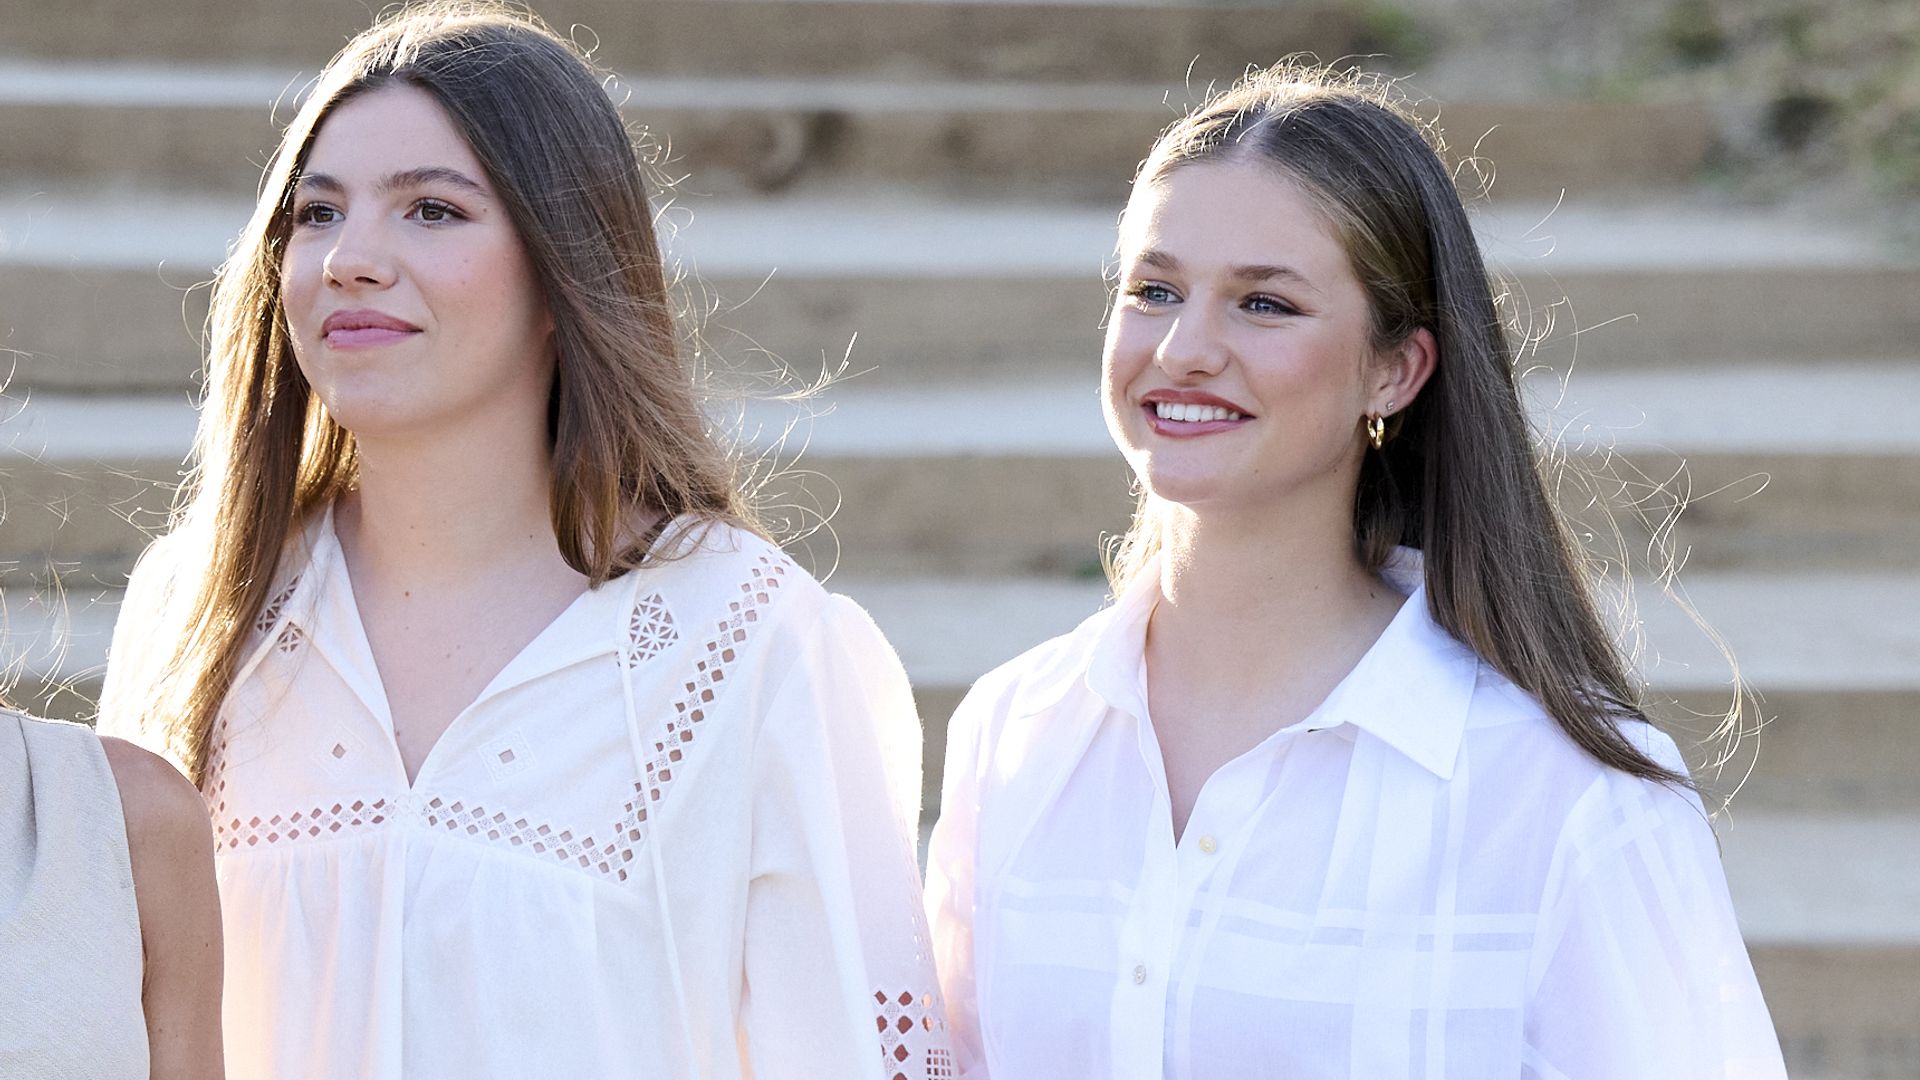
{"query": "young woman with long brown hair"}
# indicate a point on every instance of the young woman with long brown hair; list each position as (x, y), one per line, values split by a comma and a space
(527, 753)
(1349, 780)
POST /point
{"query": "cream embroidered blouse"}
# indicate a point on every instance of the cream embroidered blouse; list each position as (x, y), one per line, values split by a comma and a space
(1424, 878)
(671, 838)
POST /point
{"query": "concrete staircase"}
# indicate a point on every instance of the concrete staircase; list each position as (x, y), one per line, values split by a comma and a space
(928, 188)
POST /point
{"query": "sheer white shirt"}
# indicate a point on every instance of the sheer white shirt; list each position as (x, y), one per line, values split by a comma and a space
(673, 837)
(1424, 878)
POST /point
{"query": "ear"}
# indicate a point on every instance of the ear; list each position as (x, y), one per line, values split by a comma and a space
(1403, 370)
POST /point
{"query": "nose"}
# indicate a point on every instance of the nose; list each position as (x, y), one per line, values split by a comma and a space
(1191, 348)
(358, 257)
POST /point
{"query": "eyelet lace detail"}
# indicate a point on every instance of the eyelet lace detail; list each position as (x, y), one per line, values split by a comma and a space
(717, 654)
(291, 635)
(583, 852)
(317, 823)
(229, 832)
(909, 1024)
(650, 631)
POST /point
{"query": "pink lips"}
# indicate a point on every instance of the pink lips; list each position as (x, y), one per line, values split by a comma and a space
(364, 329)
(1187, 429)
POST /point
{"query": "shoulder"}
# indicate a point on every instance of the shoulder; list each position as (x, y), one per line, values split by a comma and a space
(1505, 719)
(1028, 688)
(1536, 764)
(166, 818)
(734, 564)
(152, 576)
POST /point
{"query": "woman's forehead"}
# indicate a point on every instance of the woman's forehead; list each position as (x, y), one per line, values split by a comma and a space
(1222, 214)
(395, 128)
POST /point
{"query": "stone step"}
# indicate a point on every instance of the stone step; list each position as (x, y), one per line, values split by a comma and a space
(1777, 467)
(212, 129)
(1843, 1013)
(1060, 40)
(94, 297)
(1827, 904)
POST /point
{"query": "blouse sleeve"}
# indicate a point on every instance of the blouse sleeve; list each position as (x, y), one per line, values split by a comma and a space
(1639, 969)
(133, 652)
(951, 857)
(839, 981)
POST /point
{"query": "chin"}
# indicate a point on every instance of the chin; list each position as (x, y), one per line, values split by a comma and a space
(375, 416)
(1185, 490)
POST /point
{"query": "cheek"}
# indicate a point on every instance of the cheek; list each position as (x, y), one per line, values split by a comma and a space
(299, 284)
(492, 290)
(1126, 352)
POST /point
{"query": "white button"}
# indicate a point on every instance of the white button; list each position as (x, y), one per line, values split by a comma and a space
(1139, 974)
(1208, 845)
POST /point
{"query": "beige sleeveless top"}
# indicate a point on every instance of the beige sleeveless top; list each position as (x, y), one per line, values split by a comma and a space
(70, 960)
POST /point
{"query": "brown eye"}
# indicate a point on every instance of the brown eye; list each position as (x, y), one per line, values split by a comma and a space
(433, 211)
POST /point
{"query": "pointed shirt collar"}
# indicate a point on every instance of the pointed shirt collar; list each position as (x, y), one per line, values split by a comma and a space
(1411, 689)
(322, 604)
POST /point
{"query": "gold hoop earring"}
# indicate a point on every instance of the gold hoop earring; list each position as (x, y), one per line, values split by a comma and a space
(1377, 430)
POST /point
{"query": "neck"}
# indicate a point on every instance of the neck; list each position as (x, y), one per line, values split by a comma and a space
(447, 507)
(1251, 600)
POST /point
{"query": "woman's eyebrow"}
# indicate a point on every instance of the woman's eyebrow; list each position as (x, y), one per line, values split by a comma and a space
(1267, 272)
(398, 181)
(1244, 272)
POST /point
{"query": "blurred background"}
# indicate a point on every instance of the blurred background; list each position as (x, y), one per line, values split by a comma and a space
(1705, 211)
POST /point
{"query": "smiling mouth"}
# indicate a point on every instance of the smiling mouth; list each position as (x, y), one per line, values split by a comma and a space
(1186, 420)
(1191, 414)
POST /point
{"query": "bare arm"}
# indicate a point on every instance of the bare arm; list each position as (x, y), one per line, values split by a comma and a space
(171, 846)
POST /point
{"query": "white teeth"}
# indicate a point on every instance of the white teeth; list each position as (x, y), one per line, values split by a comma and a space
(1192, 414)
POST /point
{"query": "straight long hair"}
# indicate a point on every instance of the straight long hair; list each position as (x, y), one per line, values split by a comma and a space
(1459, 477)
(628, 432)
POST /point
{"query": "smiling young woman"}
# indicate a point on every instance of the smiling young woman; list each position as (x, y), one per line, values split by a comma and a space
(527, 753)
(1349, 781)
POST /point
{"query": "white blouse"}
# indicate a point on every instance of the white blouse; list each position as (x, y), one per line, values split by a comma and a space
(673, 837)
(1424, 878)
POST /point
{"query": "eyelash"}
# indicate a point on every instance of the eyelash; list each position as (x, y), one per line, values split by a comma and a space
(1281, 306)
(303, 214)
(1139, 291)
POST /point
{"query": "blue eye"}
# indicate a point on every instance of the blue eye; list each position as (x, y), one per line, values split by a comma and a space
(1269, 305)
(1149, 292)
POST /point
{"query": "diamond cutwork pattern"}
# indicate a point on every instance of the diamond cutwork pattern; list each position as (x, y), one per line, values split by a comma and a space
(232, 834)
(908, 1025)
(213, 788)
(609, 853)
(650, 631)
(229, 831)
(710, 671)
(540, 838)
(291, 636)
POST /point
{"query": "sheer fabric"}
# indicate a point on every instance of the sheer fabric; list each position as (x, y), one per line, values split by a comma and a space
(1422, 879)
(671, 838)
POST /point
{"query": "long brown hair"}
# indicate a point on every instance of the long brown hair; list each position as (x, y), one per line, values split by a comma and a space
(628, 431)
(1460, 479)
